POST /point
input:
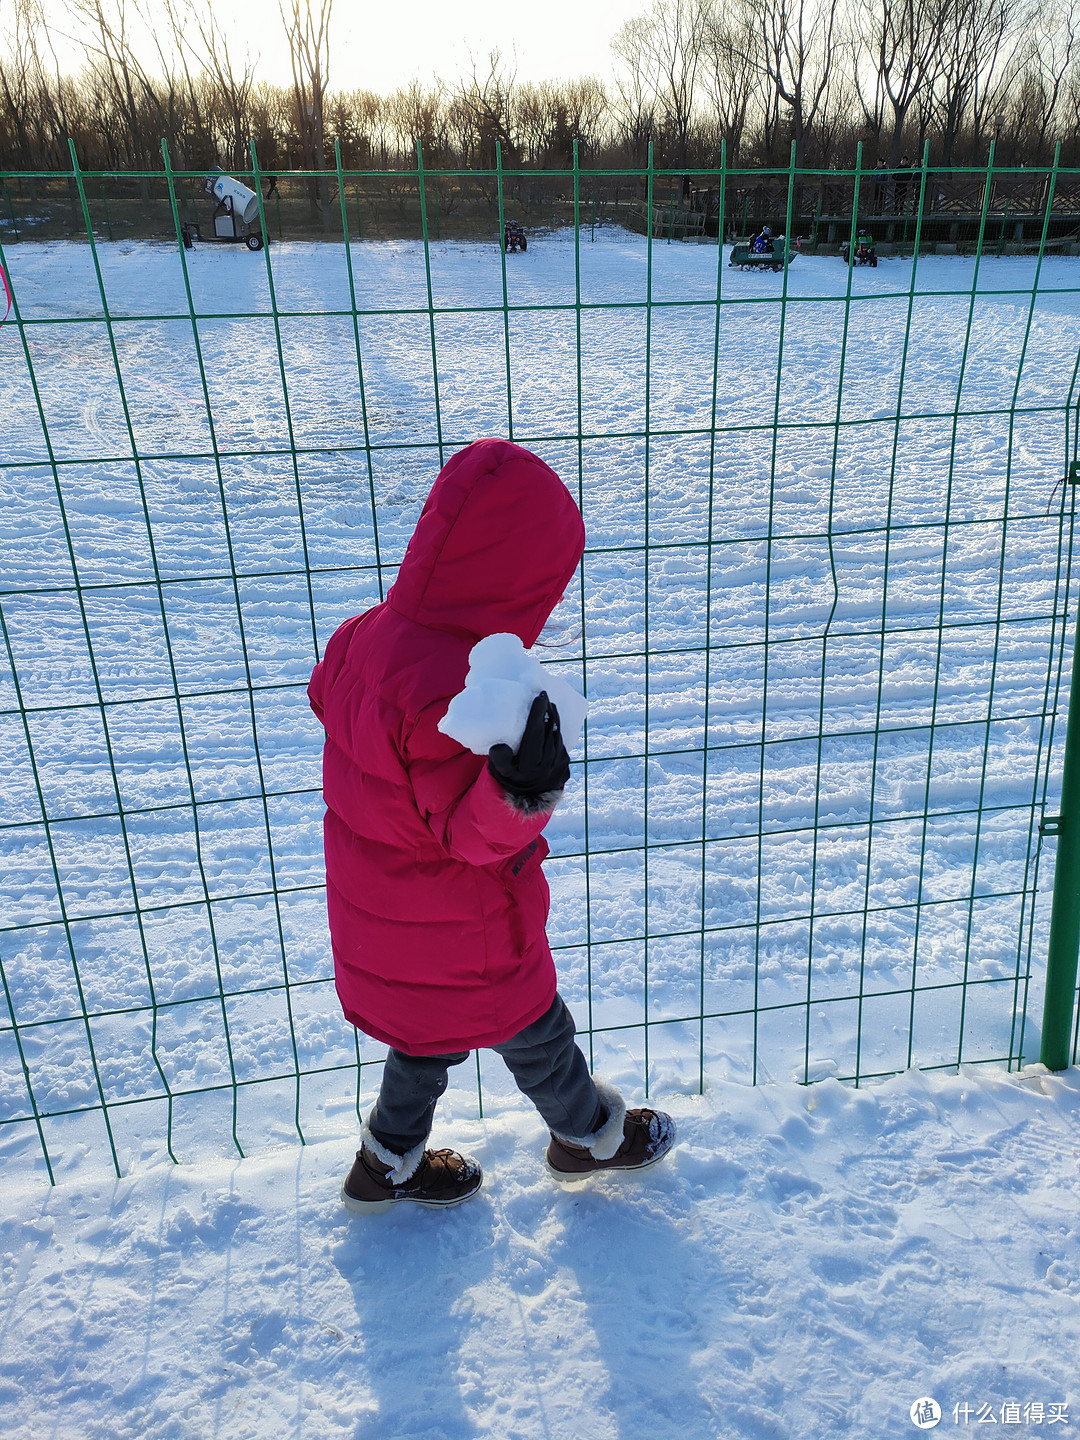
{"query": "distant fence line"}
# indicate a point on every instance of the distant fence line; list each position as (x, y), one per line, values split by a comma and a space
(949, 203)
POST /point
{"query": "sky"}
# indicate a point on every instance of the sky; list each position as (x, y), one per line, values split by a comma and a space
(381, 47)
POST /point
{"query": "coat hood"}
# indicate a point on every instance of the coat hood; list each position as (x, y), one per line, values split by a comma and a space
(495, 546)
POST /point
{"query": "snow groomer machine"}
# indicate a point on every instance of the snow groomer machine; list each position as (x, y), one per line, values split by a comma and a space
(235, 218)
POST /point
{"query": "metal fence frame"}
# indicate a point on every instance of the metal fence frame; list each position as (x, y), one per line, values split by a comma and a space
(1060, 1031)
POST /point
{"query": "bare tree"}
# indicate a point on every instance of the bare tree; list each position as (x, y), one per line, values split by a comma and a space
(691, 74)
(307, 26)
(17, 85)
(1031, 104)
(197, 145)
(206, 42)
(899, 40)
(1014, 23)
(797, 52)
(977, 40)
(482, 110)
(549, 117)
(588, 111)
(535, 126)
(1069, 106)
(1054, 53)
(420, 114)
(663, 51)
(127, 85)
(271, 116)
(634, 101)
(57, 101)
(732, 70)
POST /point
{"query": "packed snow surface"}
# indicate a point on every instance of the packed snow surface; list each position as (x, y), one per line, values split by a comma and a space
(877, 578)
(806, 1263)
(503, 681)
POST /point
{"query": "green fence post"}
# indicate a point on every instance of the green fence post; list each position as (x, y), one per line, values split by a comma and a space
(709, 637)
(768, 640)
(645, 828)
(582, 600)
(505, 293)
(826, 636)
(1061, 962)
(422, 189)
(360, 368)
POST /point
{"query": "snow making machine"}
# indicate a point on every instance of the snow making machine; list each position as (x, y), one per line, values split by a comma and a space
(235, 218)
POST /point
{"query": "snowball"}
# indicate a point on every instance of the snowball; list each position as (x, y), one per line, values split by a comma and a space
(503, 681)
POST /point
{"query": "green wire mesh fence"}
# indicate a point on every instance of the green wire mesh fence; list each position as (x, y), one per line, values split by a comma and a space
(824, 618)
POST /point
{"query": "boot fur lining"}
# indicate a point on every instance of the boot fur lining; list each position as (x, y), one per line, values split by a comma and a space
(603, 1143)
(402, 1167)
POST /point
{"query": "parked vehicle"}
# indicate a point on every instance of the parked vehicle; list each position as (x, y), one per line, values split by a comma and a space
(744, 257)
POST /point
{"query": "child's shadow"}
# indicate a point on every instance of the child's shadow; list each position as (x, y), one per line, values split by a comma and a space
(648, 1291)
(653, 1296)
(408, 1270)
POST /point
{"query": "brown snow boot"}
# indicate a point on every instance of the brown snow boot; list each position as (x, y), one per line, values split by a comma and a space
(437, 1177)
(626, 1140)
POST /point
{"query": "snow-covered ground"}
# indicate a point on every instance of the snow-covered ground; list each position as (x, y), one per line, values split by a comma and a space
(808, 1263)
(940, 538)
(811, 1261)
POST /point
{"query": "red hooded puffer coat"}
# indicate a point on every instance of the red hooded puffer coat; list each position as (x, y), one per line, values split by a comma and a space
(436, 898)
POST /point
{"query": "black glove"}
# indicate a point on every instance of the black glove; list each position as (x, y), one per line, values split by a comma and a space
(541, 764)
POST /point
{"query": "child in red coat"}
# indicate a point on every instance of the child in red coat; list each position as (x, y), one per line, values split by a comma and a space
(435, 893)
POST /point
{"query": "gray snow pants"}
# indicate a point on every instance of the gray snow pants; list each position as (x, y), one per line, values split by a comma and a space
(543, 1059)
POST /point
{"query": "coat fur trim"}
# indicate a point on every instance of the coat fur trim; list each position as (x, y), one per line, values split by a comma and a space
(402, 1167)
(603, 1143)
(533, 804)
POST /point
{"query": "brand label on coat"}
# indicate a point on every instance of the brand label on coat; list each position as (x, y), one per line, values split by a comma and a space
(524, 857)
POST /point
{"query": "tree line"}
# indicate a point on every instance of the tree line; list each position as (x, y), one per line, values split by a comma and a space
(691, 76)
